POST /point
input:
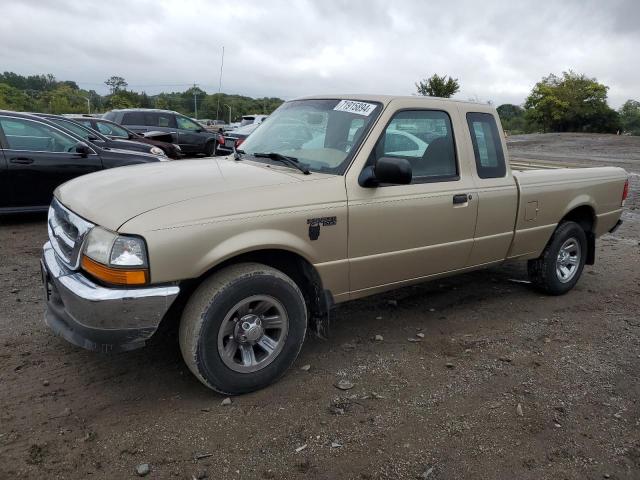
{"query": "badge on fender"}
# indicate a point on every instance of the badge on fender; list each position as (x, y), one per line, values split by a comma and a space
(316, 223)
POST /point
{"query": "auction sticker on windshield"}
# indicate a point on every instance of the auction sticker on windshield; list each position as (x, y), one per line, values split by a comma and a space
(361, 108)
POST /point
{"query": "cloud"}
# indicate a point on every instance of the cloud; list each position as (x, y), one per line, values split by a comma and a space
(498, 50)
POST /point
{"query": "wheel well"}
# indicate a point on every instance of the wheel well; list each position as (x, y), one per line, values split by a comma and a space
(585, 216)
(296, 267)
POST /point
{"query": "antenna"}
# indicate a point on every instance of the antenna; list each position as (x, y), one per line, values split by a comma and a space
(195, 100)
(220, 85)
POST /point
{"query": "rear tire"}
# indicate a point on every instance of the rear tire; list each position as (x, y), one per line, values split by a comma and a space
(558, 269)
(243, 328)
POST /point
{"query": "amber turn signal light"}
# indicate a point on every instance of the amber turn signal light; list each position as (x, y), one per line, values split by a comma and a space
(114, 276)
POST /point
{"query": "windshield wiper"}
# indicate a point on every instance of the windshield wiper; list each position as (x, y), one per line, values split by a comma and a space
(291, 161)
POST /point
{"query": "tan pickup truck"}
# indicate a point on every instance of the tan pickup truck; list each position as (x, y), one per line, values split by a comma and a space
(332, 198)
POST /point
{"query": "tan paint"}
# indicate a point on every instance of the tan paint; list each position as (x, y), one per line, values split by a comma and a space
(196, 214)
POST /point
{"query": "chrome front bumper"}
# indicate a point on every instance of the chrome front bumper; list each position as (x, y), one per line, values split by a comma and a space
(98, 318)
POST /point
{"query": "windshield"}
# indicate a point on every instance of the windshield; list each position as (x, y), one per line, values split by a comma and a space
(76, 128)
(112, 129)
(321, 134)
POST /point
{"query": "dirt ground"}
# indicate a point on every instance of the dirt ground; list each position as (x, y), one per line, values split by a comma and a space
(505, 384)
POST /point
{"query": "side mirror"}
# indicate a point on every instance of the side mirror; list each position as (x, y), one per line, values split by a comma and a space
(391, 170)
(83, 149)
(92, 138)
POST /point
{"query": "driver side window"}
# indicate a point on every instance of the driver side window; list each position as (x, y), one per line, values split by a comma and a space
(27, 135)
(425, 139)
(186, 124)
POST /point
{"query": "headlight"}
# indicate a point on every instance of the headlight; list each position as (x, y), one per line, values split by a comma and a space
(177, 147)
(99, 243)
(157, 151)
(128, 252)
(115, 259)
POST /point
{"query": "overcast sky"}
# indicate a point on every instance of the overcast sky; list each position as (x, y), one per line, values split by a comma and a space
(498, 50)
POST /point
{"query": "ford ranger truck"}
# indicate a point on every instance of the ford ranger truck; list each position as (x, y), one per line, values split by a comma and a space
(331, 199)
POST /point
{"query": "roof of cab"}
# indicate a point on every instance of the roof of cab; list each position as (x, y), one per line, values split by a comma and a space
(384, 99)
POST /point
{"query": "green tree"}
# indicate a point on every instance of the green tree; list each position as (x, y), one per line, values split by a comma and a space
(12, 98)
(43, 93)
(63, 99)
(116, 83)
(512, 118)
(438, 86)
(630, 117)
(123, 99)
(570, 103)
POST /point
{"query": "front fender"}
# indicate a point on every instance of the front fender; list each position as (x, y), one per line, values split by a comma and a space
(263, 239)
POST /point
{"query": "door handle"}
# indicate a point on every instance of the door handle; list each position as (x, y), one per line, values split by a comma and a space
(22, 160)
(461, 198)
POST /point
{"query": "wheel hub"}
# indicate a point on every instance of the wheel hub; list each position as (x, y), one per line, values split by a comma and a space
(249, 329)
(253, 333)
(564, 257)
(568, 260)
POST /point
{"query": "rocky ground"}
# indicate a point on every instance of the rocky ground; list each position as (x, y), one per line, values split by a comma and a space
(502, 382)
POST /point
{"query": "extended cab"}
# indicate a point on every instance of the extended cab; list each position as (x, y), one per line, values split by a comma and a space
(334, 198)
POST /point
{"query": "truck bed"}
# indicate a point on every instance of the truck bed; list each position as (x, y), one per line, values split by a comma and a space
(547, 192)
(521, 165)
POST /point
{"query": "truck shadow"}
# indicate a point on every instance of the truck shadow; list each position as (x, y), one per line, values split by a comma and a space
(159, 371)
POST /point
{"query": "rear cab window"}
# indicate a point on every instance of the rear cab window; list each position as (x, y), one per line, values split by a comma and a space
(487, 146)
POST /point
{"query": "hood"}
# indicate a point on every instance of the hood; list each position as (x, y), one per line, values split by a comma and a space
(123, 143)
(111, 197)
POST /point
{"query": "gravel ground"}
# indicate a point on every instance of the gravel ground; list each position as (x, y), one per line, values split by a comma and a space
(505, 383)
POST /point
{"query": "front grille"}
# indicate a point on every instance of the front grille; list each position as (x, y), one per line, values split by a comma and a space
(66, 233)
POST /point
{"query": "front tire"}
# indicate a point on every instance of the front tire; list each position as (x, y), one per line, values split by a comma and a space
(559, 267)
(210, 149)
(243, 328)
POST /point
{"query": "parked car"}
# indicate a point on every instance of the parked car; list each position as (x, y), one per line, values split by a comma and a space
(234, 138)
(212, 125)
(90, 135)
(37, 155)
(192, 137)
(245, 254)
(117, 132)
(231, 126)
(249, 119)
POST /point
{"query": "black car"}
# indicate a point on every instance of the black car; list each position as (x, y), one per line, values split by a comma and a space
(37, 155)
(234, 138)
(117, 132)
(192, 137)
(90, 135)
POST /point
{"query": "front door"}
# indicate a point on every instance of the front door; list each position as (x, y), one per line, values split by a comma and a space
(190, 135)
(39, 158)
(4, 180)
(399, 233)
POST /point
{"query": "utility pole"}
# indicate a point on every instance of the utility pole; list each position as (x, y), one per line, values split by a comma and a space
(220, 85)
(195, 100)
(88, 99)
(229, 107)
